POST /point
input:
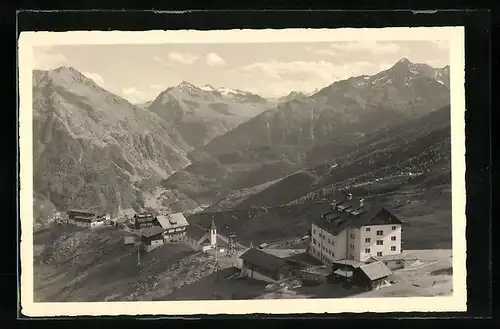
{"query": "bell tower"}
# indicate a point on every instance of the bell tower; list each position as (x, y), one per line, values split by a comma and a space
(213, 234)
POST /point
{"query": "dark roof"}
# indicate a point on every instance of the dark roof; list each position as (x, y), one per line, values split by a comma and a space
(402, 256)
(336, 221)
(151, 231)
(85, 218)
(375, 270)
(195, 232)
(348, 262)
(263, 259)
(144, 218)
(80, 213)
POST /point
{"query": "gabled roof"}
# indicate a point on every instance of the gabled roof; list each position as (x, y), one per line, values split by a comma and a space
(90, 218)
(336, 221)
(375, 271)
(348, 262)
(263, 259)
(172, 221)
(403, 256)
(144, 218)
(80, 213)
(149, 232)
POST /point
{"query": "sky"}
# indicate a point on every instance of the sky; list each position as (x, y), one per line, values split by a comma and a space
(140, 72)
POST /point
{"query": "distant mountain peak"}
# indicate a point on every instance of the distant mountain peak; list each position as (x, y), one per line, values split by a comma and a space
(405, 60)
(185, 84)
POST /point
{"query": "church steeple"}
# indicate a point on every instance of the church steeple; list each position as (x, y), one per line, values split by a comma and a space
(213, 234)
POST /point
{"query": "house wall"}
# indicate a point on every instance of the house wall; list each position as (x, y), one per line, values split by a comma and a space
(325, 246)
(370, 232)
(97, 224)
(82, 224)
(248, 272)
(148, 246)
(213, 237)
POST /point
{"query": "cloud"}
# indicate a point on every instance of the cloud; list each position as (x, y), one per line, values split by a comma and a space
(157, 86)
(213, 59)
(134, 95)
(182, 58)
(96, 77)
(374, 47)
(45, 59)
(158, 59)
(279, 78)
(442, 44)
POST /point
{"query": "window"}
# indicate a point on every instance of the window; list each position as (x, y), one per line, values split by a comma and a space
(379, 253)
(328, 240)
(367, 250)
(394, 228)
(398, 262)
(380, 242)
(367, 229)
(380, 232)
(393, 248)
(393, 238)
(314, 241)
(367, 239)
(314, 231)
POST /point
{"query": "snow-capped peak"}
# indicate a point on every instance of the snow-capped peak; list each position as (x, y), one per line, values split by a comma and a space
(226, 91)
(208, 88)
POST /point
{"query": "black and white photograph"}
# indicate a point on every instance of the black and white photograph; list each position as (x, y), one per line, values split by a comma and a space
(242, 171)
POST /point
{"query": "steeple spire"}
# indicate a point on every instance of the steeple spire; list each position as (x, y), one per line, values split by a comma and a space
(212, 227)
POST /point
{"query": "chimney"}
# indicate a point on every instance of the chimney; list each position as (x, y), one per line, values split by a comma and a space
(349, 196)
(361, 202)
(333, 204)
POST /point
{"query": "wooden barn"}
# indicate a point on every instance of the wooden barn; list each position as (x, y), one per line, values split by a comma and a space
(259, 265)
(317, 274)
(371, 276)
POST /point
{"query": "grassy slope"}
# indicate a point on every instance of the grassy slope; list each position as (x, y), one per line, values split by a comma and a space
(82, 265)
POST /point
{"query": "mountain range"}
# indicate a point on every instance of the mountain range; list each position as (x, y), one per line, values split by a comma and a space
(202, 113)
(225, 147)
(295, 134)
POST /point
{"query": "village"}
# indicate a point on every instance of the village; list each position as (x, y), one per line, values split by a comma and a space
(352, 243)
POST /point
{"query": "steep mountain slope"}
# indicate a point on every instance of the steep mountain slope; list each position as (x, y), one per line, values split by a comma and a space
(416, 150)
(287, 137)
(346, 107)
(203, 113)
(90, 146)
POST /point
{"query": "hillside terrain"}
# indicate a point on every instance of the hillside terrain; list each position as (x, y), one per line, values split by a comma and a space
(313, 131)
(409, 150)
(90, 146)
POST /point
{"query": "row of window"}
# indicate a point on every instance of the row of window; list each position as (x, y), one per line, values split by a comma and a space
(380, 232)
(367, 250)
(380, 242)
(368, 229)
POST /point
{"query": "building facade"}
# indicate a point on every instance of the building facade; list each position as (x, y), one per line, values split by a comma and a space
(355, 231)
(173, 225)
